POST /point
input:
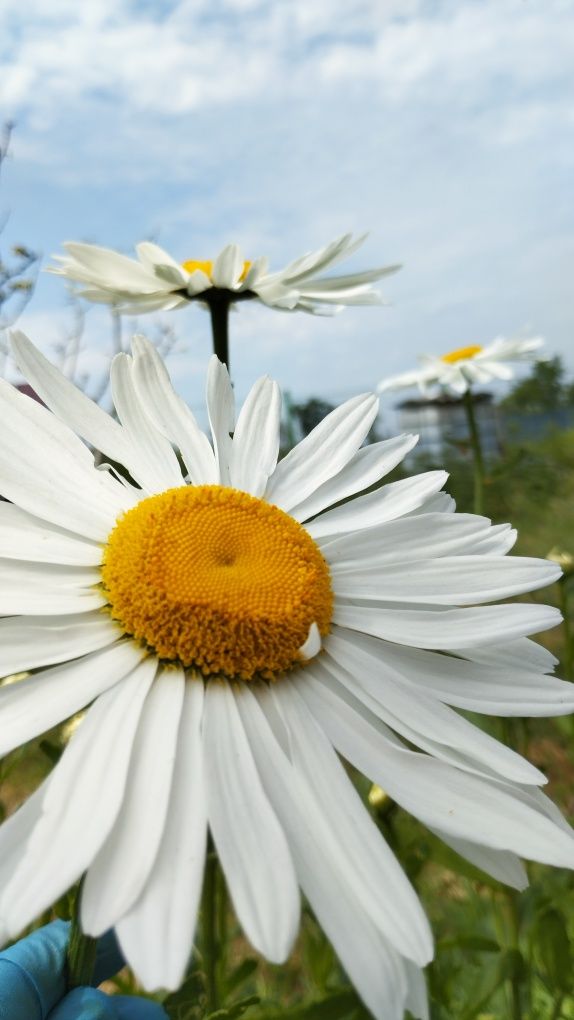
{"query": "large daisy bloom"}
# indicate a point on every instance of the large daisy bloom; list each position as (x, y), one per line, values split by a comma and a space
(459, 370)
(156, 281)
(232, 632)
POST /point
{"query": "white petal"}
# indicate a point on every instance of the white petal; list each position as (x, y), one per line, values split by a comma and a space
(256, 439)
(501, 864)
(227, 267)
(375, 876)
(370, 963)
(322, 453)
(312, 646)
(161, 263)
(515, 689)
(39, 702)
(221, 411)
(157, 467)
(363, 470)
(107, 268)
(121, 868)
(47, 588)
(458, 803)
(170, 414)
(452, 580)
(29, 642)
(408, 539)
(416, 1001)
(83, 799)
(430, 725)
(385, 504)
(49, 472)
(249, 839)
(24, 537)
(156, 935)
(522, 650)
(452, 629)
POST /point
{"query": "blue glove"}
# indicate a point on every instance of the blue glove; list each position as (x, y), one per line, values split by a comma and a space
(33, 982)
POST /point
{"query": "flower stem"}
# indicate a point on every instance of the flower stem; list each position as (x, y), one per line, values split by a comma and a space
(219, 312)
(478, 458)
(81, 955)
(567, 630)
(209, 930)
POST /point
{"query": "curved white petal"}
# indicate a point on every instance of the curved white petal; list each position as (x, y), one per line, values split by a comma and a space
(227, 267)
(170, 414)
(120, 870)
(27, 642)
(156, 934)
(157, 467)
(221, 411)
(83, 799)
(321, 454)
(446, 629)
(255, 446)
(384, 504)
(501, 864)
(408, 539)
(47, 470)
(250, 841)
(47, 588)
(24, 537)
(364, 469)
(39, 702)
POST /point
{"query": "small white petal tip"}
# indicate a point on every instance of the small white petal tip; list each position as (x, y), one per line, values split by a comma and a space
(312, 645)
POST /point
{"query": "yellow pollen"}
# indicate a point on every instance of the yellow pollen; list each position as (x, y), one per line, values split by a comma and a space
(217, 580)
(461, 353)
(207, 267)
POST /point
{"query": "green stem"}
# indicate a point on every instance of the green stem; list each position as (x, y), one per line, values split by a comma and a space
(478, 458)
(81, 955)
(219, 312)
(557, 1008)
(209, 931)
(515, 989)
(568, 635)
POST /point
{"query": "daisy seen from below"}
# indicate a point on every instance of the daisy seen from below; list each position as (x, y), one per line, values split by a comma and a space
(230, 634)
(458, 370)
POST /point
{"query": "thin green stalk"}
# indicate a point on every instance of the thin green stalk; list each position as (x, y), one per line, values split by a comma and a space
(567, 629)
(514, 981)
(81, 955)
(219, 312)
(557, 1008)
(478, 458)
(210, 945)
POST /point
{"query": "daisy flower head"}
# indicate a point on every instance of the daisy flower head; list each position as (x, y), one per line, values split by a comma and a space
(157, 281)
(457, 371)
(234, 623)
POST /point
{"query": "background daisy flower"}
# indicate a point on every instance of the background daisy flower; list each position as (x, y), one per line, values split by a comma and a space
(231, 632)
(156, 281)
(458, 370)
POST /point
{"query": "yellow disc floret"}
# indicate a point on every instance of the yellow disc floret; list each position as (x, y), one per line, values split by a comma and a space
(461, 354)
(218, 580)
(206, 266)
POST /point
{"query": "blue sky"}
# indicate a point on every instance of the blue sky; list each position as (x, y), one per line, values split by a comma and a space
(443, 128)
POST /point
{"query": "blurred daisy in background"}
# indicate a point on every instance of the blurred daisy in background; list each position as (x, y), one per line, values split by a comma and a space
(231, 629)
(459, 370)
(156, 281)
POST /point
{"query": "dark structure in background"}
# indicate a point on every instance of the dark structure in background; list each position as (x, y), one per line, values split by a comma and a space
(442, 425)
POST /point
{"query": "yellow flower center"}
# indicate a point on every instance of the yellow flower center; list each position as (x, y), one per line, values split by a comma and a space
(207, 267)
(461, 354)
(218, 580)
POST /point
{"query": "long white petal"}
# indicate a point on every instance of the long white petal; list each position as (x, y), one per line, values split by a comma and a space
(157, 467)
(156, 934)
(39, 702)
(221, 411)
(227, 267)
(83, 799)
(47, 589)
(27, 642)
(49, 472)
(24, 537)
(363, 470)
(408, 539)
(452, 629)
(384, 504)
(121, 868)
(322, 453)
(170, 414)
(256, 439)
(250, 841)
(501, 864)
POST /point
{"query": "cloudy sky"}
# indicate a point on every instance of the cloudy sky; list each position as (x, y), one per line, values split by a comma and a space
(442, 127)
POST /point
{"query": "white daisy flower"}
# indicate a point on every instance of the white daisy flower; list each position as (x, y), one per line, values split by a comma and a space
(156, 281)
(458, 370)
(231, 632)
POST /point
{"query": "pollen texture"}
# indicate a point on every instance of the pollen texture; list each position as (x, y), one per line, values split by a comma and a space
(218, 580)
(461, 354)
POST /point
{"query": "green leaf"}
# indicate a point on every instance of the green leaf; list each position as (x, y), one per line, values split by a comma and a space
(476, 942)
(235, 1011)
(188, 1003)
(240, 974)
(552, 948)
(342, 1005)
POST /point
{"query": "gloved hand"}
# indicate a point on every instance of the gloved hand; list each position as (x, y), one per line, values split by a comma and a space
(33, 982)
